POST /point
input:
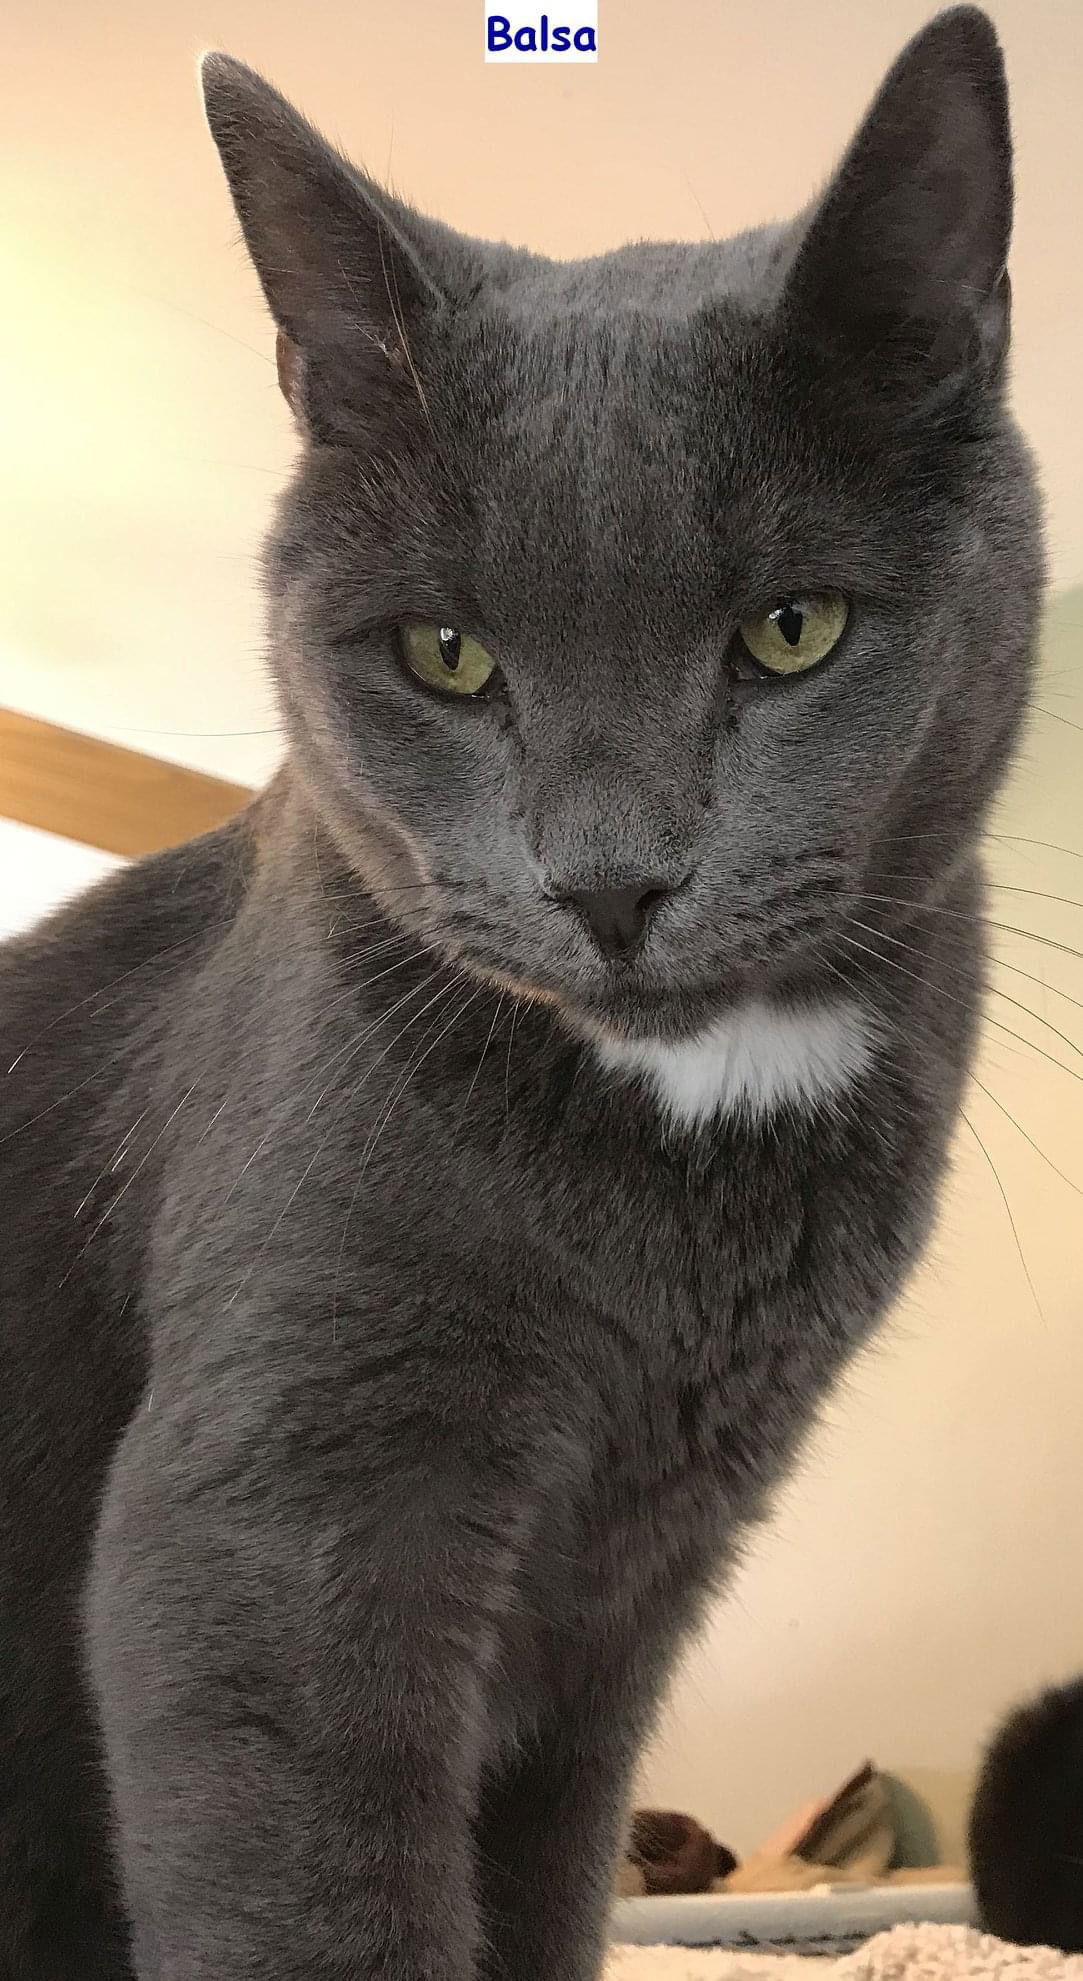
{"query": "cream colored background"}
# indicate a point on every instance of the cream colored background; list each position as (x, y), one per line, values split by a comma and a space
(926, 1565)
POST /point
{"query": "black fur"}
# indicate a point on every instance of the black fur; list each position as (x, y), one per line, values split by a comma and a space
(1026, 1824)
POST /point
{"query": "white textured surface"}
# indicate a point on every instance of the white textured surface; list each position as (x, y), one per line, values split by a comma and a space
(758, 1058)
(907, 1953)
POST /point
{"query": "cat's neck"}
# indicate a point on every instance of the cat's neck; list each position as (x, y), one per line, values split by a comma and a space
(757, 1058)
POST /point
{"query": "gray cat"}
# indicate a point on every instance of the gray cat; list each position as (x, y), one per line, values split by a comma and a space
(436, 1204)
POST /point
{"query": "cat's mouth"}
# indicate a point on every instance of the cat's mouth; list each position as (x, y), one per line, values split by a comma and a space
(634, 1004)
(666, 1015)
(629, 1006)
(619, 1014)
(637, 1013)
(639, 1009)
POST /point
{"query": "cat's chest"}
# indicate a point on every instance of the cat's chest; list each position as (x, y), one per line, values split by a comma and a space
(688, 1407)
(703, 1265)
(709, 1292)
(679, 1463)
(694, 1185)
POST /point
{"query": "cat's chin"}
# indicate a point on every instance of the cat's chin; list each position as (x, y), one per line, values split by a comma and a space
(629, 1016)
(620, 1011)
(631, 1011)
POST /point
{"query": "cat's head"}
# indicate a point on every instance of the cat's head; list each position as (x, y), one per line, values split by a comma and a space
(638, 621)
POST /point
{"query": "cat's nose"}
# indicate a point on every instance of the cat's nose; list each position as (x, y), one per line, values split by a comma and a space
(617, 917)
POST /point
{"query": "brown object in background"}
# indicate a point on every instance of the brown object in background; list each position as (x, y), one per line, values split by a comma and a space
(101, 795)
(847, 1838)
(855, 1828)
(675, 1853)
(852, 1828)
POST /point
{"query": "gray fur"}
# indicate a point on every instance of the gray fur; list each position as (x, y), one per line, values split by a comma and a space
(404, 1382)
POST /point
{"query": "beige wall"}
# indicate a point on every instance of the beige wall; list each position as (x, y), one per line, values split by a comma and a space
(924, 1567)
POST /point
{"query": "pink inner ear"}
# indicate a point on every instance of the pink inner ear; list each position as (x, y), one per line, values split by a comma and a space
(288, 359)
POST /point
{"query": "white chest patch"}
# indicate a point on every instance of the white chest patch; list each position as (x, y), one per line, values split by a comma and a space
(758, 1058)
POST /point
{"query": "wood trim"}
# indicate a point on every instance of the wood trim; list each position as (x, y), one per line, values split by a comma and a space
(101, 795)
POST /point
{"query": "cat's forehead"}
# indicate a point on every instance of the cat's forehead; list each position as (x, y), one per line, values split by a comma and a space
(595, 373)
(578, 447)
(667, 457)
(666, 279)
(614, 345)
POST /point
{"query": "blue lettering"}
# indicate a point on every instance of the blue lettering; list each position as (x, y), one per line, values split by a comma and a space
(543, 38)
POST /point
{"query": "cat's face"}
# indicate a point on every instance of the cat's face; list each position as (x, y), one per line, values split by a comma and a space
(644, 626)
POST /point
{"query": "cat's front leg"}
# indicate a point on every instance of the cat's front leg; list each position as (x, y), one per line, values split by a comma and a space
(553, 1824)
(291, 1690)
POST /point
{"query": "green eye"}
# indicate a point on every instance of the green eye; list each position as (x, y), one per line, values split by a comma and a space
(443, 658)
(798, 634)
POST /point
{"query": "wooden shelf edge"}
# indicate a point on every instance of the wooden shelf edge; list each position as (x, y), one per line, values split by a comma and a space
(102, 795)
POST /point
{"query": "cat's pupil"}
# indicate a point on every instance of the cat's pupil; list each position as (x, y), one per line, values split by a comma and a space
(450, 644)
(790, 622)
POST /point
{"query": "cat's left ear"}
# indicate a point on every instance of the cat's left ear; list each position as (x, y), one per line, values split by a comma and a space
(345, 283)
(903, 263)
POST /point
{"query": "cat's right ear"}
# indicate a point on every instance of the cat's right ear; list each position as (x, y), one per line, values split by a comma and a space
(902, 265)
(345, 286)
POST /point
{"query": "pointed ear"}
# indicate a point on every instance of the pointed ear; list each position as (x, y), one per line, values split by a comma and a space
(903, 261)
(346, 287)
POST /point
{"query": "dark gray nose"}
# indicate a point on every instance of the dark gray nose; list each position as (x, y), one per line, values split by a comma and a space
(617, 917)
